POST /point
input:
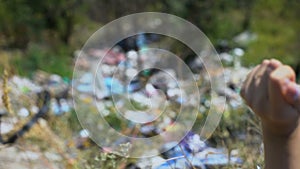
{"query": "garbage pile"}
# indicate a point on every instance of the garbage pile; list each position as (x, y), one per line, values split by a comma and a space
(154, 84)
(149, 83)
(24, 95)
(191, 152)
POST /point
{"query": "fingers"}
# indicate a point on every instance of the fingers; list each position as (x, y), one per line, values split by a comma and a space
(255, 88)
(282, 75)
(275, 64)
(272, 93)
(246, 85)
(285, 76)
(259, 87)
(280, 81)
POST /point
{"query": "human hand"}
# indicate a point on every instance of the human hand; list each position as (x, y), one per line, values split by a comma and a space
(271, 92)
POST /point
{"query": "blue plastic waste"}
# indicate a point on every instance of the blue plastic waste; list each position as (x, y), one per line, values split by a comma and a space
(113, 85)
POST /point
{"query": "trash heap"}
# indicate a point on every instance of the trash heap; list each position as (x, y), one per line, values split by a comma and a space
(24, 98)
(155, 84)
(148, 83)
(191, 151)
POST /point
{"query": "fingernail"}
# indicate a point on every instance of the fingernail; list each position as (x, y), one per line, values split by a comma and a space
(297, 93)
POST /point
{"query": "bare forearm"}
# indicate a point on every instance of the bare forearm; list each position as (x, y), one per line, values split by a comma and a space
(282, 151)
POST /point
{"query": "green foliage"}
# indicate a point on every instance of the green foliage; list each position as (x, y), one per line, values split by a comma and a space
(50, 24)
(276, 24)
(62, 26)
(39, 57)
(217, 19)
(15, 18)
(23, 21)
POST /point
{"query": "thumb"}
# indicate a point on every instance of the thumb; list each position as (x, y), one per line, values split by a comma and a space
(292, 95)
(279, 81)
(284, 76)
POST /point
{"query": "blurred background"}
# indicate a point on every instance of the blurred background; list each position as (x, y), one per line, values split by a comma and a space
(44, 34)
(40, 40)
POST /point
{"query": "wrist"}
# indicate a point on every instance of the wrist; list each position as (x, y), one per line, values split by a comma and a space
(280, 129)
(281, 150)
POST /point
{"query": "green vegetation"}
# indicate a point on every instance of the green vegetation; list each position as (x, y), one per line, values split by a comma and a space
(44, 34)
(55, 61)
(277, 27)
